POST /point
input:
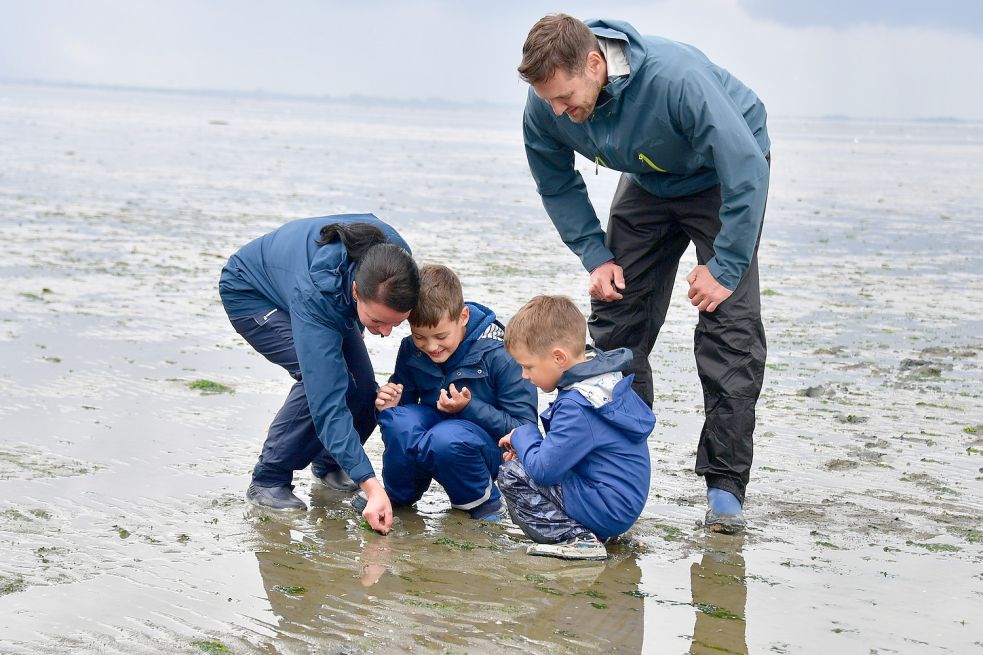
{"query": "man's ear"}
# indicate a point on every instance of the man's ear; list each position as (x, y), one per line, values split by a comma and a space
(595, 62)
(465, 316)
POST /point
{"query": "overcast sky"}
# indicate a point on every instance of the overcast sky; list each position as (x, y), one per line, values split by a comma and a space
(866, 58)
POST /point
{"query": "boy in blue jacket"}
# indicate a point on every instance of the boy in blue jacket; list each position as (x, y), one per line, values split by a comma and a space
(587, 480)
(454, 393)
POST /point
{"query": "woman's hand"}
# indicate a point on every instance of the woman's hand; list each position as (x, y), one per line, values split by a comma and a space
(378, 511)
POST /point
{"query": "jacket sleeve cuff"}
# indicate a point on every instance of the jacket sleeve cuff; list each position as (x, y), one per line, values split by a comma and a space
(524, 437)
(594, 259)
(718, 273)
(362, 471)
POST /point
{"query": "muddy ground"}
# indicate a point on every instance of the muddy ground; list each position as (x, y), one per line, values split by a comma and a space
(122, 522)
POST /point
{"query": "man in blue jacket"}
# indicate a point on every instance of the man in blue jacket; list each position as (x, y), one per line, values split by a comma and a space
(693, 147)
(454, 393)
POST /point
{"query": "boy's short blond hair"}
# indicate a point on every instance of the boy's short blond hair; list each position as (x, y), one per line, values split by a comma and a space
(440, 296)
(546, 322)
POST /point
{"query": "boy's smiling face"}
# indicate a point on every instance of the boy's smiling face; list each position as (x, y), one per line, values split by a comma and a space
(441, 341)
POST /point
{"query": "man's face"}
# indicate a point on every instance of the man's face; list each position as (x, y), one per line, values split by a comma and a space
(573, 95)
(440, 341)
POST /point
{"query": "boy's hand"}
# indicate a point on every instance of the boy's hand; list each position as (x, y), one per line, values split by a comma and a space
(455, 401)
(388, 396)
(506, 443)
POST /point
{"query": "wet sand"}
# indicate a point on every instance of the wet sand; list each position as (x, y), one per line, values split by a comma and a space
(122, 522)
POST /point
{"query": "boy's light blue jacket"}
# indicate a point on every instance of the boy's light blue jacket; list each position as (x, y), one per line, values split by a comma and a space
(677, 124)
(500, 399)
(287, 270)
(598, 455)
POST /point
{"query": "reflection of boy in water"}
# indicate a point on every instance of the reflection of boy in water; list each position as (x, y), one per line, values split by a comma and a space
(587, 480)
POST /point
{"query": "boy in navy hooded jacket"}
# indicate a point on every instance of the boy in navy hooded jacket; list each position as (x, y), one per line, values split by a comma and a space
(588, 479)
(455, 392)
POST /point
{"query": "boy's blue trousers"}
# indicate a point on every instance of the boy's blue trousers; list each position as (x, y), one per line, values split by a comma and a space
(422, 445)
(292, 443)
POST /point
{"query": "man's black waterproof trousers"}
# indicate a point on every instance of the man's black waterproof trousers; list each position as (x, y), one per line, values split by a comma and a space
(648, 235)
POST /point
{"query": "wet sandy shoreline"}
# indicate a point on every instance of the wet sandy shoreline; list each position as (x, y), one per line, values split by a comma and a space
(122, 524)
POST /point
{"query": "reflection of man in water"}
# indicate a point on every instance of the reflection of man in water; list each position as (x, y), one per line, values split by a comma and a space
(720, 598)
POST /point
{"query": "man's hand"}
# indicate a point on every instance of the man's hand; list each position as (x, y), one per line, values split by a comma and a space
(506, 443)
(378, 510)
(606, 281)
(455, 401)
(388, 396)
(704, 290)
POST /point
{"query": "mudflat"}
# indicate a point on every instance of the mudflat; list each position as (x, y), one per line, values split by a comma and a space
(132, 414)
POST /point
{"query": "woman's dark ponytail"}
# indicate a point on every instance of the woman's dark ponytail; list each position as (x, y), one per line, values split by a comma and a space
(356, 237)
(384, 272)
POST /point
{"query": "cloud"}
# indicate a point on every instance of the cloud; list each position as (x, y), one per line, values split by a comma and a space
(946, 15)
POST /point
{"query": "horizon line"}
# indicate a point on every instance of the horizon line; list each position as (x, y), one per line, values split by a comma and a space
(357, 98)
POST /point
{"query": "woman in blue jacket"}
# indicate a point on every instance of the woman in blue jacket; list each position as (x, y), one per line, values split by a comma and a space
(301, 296)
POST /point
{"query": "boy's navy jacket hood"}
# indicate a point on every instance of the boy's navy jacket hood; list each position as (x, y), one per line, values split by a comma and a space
(597, 454)
(676, 124)
(500, 399)
(602, 361)
(622, 411)
(480, 318)
(288, 270)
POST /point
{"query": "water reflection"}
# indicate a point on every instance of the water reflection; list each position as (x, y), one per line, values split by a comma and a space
(719, 589)
(440, 581)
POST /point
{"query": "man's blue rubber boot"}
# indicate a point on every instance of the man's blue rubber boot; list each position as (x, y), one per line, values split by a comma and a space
(275, 498)
(725, 514)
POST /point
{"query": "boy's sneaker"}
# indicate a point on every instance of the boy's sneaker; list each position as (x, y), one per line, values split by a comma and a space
(336, 480)
(275, 498)
(583, 547)
(359, 501)
(490, 510)
(725, 514)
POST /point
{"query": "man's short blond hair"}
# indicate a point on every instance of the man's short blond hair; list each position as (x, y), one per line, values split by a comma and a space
(556, 42)
(546, 322)
(440, 296)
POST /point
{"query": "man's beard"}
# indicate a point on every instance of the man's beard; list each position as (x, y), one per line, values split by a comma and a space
(586, 111)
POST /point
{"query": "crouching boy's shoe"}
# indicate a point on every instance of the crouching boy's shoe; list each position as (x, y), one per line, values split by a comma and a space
(725, 514)
(490, 510)
(336, 480)
(582, 547)
(275, 498)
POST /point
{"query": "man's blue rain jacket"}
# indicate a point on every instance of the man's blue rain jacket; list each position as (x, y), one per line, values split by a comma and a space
(287, 270)
(677, 124)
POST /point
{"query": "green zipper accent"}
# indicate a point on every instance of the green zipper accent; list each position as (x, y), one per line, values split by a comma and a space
(642, 157)
(598, 162)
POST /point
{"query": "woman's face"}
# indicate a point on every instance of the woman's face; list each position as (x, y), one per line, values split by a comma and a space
(377, 318)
